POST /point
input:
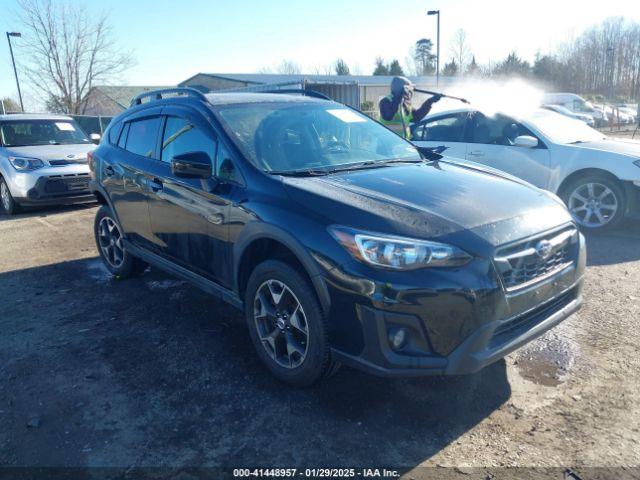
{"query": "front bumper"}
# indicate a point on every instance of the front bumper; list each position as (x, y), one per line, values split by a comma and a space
(486, 345)
(453, 329)
(50, 185)
(58, 189)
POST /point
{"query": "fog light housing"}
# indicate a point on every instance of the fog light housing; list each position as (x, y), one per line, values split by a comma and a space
(398, 338)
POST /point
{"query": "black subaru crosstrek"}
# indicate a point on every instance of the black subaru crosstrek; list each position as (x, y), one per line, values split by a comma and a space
(340, 241)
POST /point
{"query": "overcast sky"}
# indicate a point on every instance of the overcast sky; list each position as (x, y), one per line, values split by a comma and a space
(172, 40)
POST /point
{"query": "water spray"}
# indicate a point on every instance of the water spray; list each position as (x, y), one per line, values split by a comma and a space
(429, 92)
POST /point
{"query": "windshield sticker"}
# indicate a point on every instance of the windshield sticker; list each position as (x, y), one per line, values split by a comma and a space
(65, 126)
(346, 116)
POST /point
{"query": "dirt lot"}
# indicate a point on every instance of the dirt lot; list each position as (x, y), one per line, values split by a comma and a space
(151, 372)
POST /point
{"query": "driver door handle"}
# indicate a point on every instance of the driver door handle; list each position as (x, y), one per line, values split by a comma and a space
(477, 153)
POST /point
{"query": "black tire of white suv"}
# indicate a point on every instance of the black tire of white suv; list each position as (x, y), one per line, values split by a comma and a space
(597, 202)
(7, 203)
(109, 241)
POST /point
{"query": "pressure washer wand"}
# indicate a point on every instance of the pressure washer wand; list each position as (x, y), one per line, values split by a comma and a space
(463, 100)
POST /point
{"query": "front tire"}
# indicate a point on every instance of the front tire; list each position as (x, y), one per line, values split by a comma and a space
(109, 241)
(287, 324)
(7, 202)
(596, 202)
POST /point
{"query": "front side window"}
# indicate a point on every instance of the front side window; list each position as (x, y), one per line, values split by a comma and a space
(448, 128)
(182, 136)
(142, 135)
(23, 133)
(497, 130)
(287, 136)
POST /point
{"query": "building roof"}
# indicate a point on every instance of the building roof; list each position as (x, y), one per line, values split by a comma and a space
(123, 95)
(276, 78)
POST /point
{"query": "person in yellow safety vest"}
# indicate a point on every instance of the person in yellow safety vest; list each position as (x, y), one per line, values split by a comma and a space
(396, 109)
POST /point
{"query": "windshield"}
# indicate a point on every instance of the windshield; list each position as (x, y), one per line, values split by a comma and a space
(561, 129)
(289, 137)
(22, 133)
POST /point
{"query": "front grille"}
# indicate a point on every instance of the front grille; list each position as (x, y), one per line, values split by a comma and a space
(526, 262)
(526, 321)
(62, 163)
(69, 183)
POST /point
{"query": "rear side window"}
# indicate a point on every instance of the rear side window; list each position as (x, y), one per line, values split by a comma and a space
(123, 136)
(142, 135)
(182, 136)
(114, 133)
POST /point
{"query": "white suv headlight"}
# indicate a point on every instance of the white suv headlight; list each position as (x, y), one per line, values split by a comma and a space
(398, 253)
(24, 164)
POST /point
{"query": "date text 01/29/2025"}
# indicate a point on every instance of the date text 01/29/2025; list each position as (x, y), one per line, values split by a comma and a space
(315, 472)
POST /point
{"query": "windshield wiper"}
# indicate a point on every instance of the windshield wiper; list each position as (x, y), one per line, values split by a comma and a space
(344, 168)
(299, 173)
(375, 164)
(405, 160)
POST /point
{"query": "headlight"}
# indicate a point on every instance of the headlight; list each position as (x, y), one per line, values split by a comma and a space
(396, 252)
(24, 164)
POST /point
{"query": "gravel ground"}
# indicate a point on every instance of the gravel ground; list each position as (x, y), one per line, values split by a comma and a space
(96, 372)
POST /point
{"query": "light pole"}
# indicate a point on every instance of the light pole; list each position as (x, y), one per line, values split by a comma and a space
(15, 71)
(437, 12)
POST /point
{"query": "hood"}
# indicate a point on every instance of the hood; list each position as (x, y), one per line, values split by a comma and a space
(70, 153)
(426, 200)
(615, 145)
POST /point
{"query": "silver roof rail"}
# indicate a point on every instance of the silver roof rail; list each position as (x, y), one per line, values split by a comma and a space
(154, 95)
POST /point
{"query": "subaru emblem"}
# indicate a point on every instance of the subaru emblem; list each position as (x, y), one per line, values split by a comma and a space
(543, 249)
(71, 156)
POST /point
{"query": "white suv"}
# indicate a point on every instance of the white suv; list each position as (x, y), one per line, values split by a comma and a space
(43, 161)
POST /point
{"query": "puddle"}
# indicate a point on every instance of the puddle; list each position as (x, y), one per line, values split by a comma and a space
(547, 360)
(165, 284)
(98, 272)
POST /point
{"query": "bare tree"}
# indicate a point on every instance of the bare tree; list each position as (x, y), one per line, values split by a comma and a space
(318, 69)
(460, 50)
(288, 67)
(68, 51)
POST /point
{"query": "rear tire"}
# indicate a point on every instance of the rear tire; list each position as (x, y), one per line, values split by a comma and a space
(7, 203)
(109, 241)
(596, 202)
(287, 324)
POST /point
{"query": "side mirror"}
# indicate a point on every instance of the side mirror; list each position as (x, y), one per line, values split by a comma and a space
(526, 141)
(191, 165)
(95, 138)
(431, 153)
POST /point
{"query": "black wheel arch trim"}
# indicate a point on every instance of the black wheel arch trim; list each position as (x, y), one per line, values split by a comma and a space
(97, 189)
(261, 231)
